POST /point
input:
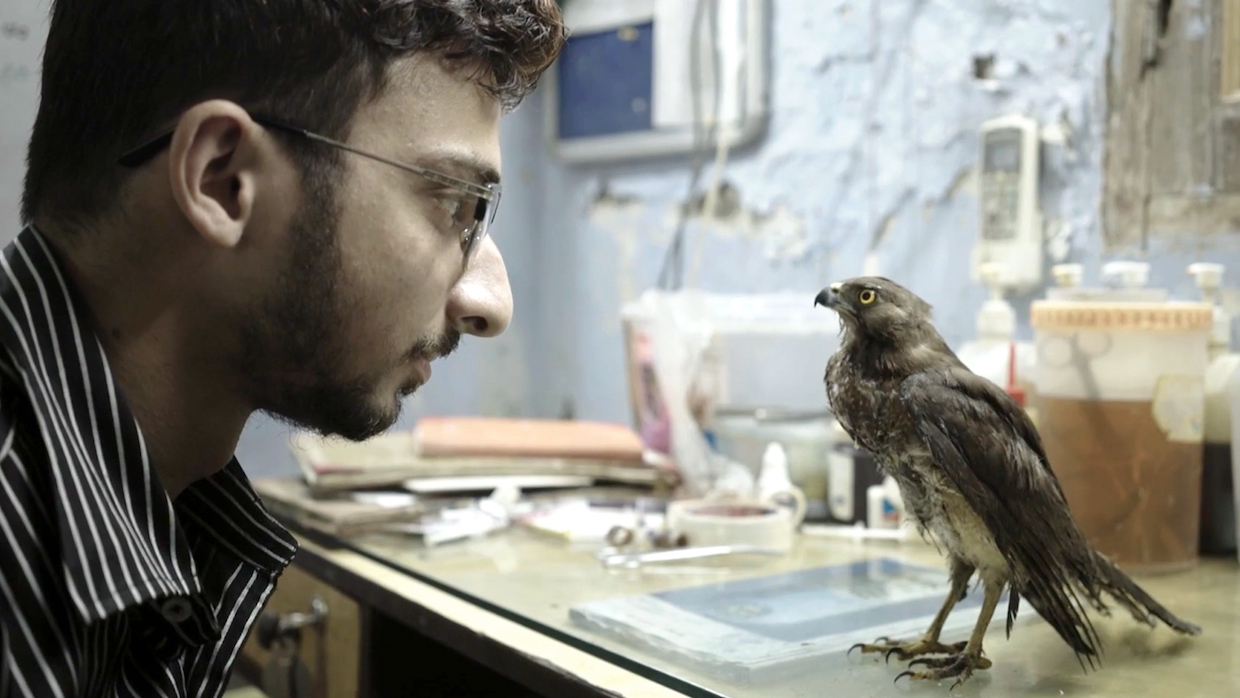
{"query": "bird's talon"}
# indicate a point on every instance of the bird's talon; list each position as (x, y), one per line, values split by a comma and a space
(902, 675)
(957, 666)
(906, 650)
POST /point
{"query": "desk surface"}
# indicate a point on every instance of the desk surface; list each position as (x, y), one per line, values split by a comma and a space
(534, 581)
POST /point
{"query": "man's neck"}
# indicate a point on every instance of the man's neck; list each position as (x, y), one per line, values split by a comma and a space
(168, 366)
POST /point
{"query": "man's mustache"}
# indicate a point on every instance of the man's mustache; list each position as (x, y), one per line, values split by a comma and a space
(437, 347)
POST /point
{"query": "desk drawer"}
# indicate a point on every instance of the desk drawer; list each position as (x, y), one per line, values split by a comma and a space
(331, 651)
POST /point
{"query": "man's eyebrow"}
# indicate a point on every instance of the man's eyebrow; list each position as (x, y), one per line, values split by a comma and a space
(468, 167)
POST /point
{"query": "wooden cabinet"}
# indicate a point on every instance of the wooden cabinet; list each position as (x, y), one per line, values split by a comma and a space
(330, 651)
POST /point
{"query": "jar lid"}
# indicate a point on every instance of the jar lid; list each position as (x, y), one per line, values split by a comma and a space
(1121, 316)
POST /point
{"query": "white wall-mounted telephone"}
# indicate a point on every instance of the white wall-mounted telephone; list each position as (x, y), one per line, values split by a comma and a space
(1009, 216)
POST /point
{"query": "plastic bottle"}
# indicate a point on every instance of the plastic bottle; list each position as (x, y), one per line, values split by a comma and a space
(1218, 507)
(990, 354)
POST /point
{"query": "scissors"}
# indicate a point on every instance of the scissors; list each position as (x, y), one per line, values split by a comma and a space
(1061, 352)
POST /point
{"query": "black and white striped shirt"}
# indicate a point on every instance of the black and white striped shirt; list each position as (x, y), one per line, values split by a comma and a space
(107, 587)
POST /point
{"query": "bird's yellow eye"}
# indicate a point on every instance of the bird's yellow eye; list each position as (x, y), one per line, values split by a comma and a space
(866, 296)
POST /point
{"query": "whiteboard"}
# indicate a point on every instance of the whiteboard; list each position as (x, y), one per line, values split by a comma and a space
(23, 31)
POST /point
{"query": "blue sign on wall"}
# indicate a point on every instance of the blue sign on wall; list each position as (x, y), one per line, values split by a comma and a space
(605, 82)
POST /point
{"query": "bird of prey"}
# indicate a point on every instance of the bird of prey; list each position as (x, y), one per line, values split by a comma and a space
(971, 470)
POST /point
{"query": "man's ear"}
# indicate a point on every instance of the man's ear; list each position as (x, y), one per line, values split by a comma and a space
(211, 168)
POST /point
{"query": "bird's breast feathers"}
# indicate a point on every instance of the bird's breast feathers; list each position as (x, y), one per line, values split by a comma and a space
(870, 411)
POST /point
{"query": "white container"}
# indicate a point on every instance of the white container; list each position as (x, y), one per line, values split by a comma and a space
(1120, 395)
(993, 361)
(744, 436)
(690, 352)
(761, 346)
(1125, 350)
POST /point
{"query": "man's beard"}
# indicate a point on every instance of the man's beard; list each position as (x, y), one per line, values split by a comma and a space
(295, 348)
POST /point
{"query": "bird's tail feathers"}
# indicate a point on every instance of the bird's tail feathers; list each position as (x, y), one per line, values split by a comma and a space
(1055, 598)
(1142, 606)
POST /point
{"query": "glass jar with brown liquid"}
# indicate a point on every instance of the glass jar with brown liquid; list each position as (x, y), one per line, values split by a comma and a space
(1119, 393)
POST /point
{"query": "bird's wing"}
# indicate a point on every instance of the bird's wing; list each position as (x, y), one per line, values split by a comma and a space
(990, 450)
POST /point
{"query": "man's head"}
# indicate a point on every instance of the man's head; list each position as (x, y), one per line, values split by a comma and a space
(875, 307)
(329, 270)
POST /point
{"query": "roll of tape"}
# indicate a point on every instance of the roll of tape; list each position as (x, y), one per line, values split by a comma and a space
(706, 522)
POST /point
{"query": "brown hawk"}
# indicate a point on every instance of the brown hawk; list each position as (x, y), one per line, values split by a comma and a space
(971, 470)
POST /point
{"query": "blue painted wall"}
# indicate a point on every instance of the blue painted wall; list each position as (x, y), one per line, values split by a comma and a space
(872, 140)
(875, 109)
(874, 115)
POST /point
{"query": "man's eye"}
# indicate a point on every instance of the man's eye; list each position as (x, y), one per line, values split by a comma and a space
(451, 204)
(451, 208)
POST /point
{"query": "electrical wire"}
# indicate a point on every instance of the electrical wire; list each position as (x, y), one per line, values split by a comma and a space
(722, 139)
(671, 274)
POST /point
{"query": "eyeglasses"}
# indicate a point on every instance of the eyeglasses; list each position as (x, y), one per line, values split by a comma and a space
(471, 218)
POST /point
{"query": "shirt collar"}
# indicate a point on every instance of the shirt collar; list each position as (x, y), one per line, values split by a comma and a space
(122, 540)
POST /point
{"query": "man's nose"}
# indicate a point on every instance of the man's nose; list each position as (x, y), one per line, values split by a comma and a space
(481, 302)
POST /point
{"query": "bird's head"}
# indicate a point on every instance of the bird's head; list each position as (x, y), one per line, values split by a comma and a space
(875, 307)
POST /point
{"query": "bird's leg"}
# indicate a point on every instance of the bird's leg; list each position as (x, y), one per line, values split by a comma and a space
(962, 665)
(929, 642)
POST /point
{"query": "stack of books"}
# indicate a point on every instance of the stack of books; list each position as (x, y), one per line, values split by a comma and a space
(340, 489)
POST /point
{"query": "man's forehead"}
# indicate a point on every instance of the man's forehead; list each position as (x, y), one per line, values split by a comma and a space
(437, 118)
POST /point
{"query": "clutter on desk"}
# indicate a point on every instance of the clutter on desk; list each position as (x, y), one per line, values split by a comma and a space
(712, 522)
(337, 513)
(453, 478)
(585, 519)
(806, 436)
(489, 483)
(448, 437)
(689, 353)
(775, 486)
(851, 472)
(476, 447)
(470, 519)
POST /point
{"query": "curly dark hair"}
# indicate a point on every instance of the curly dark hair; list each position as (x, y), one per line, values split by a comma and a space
(115, 71)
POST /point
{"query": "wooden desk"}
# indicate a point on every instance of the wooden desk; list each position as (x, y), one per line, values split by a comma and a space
(387, 634)
(490, 617)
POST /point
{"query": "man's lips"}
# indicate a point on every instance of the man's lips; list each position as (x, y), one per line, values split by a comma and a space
(423, 367)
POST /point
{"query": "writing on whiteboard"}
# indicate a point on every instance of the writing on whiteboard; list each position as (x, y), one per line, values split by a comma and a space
(14, 30)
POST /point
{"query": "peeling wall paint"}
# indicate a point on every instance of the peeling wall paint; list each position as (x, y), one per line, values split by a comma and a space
(872, 141)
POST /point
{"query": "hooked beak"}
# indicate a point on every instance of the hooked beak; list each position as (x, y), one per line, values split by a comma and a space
(829, 297)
